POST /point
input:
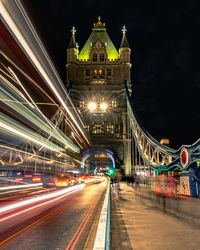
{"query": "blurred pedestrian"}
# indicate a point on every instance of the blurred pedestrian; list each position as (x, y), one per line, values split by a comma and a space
(136, 181)
(117, 189)
(132, 180)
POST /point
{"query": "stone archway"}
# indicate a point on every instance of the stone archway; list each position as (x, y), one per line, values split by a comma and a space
(91, 152)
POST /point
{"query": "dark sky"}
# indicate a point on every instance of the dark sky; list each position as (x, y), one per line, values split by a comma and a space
(165, 42)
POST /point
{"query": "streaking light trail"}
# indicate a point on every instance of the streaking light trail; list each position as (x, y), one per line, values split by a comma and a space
(20, 186)
(35, 116)
(33, 58)
(15, 131)
(44, 203)
(59, 194)
(33, 155)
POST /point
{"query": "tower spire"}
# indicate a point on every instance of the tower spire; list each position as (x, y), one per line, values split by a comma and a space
(72, 43)
(124, 43)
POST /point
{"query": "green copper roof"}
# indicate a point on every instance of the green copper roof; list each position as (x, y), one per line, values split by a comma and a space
(101, 35)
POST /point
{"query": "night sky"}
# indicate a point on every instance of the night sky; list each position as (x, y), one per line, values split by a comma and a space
(165, 42)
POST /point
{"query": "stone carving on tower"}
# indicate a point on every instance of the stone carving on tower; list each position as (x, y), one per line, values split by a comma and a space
(96, 77)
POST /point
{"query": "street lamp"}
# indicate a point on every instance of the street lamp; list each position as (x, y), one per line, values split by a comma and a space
(92, 106)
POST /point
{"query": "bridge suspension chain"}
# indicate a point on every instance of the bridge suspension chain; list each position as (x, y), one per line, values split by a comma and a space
(155, 155)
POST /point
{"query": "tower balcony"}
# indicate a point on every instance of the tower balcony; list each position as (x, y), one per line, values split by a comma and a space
(98, 81)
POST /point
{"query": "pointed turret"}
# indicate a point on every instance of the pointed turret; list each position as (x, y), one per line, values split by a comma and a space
(124, 43)
(72, 49)
(72, 43)
(125, 51)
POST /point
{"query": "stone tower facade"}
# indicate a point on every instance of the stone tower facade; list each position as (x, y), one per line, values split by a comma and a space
(95, 77)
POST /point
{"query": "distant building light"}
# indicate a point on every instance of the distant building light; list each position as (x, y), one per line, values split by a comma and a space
(164, 141)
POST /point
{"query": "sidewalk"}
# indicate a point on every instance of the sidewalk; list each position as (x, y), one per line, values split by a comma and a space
(140, 224)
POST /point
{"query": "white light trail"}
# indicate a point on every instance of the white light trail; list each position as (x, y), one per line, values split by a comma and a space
(22, 88)
(32, 155)
(26, 76)
(20, 6)
(40, 205)
(72, 133)
(20, 186)
(32, 115)
(41, 198)
(15, 131)
(33, 58)
(13, 87)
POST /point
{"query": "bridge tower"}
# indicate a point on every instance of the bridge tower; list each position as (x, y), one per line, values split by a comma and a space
(96, 77)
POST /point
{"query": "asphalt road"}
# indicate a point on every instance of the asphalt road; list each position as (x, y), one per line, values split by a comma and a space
(62, 224)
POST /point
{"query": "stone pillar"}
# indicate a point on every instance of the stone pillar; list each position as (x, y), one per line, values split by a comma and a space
(126, 147)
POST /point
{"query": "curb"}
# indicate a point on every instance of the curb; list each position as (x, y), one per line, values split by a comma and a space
(102, 239)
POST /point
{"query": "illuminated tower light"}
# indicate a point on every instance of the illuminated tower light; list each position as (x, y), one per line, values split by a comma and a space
(92, 106)
(103, 106)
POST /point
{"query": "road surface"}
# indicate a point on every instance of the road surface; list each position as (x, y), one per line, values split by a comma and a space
(63, 223)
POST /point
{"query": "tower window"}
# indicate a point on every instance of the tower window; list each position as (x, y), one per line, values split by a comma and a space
(110, 129)
(87, 127)
(108, 72)
(101, 72)
(98, 73)
(94, 57)
(114, 103)
(98, 129)
(87, 72)
(101, 57)
(82, 104)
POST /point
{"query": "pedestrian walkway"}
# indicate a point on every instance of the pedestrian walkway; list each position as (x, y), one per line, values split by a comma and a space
(137, 223)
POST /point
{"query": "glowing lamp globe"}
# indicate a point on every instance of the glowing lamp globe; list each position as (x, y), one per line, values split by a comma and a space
(92, 106)
(103, 106)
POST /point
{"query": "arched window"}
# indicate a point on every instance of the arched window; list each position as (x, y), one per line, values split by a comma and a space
(95, 57)
(98, 129)
(82, 104)
(101, 57)
(110, 129)
(109, 72)
(87, 72)
(114, 104)
(101, 73)
(87, 127)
